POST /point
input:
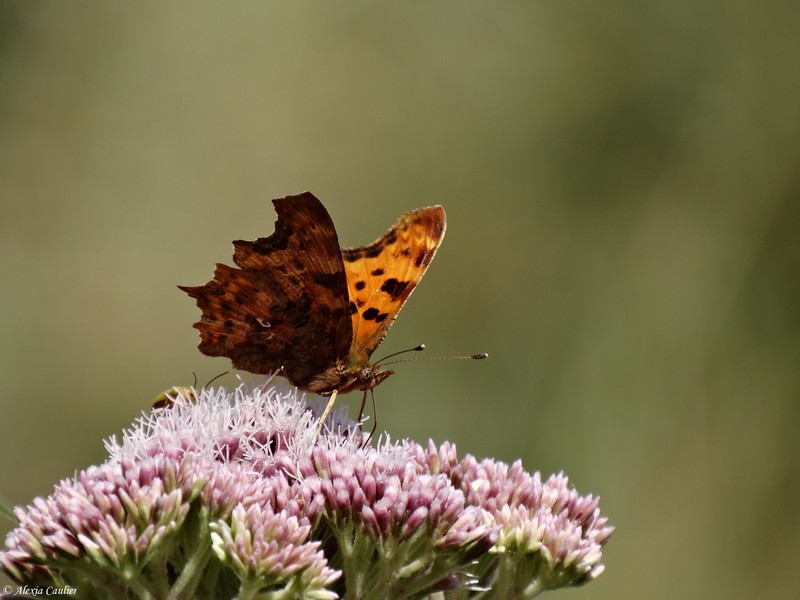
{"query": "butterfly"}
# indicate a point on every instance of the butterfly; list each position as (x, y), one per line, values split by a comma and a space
(301, 305)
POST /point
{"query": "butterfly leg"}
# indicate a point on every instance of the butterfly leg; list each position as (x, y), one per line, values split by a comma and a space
(263, 387)
(375, 416)
(325, 412)
(361, 410)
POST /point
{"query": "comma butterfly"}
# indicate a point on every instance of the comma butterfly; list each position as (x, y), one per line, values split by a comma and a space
(300, 304)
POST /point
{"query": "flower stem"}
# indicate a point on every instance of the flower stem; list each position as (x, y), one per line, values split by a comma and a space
(195, 569)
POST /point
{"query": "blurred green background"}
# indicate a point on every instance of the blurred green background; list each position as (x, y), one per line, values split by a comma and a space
(623, 195)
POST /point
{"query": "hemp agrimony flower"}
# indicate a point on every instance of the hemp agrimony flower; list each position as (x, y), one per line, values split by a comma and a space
(230, 494)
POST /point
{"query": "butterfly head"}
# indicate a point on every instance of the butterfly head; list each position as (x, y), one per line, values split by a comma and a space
(362, 378)
(360, 374)
(346, 377)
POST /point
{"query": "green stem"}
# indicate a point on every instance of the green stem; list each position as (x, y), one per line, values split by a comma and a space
(504, 580)
(194, 570)
(356, 550)
(139, 589)
(534, 588)
(247, 591)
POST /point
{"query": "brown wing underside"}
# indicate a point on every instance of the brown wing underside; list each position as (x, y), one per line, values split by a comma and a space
(382, 275)
(286, 306)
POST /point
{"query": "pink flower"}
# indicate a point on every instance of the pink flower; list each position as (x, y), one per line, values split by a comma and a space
(231, 493)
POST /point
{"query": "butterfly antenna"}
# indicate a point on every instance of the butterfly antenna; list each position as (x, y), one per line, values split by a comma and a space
(479, 356)
(419, 348)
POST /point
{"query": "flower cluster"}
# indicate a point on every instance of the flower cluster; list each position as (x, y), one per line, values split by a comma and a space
(231, 494)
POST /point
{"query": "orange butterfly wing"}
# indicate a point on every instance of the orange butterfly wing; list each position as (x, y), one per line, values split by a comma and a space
(382, 275)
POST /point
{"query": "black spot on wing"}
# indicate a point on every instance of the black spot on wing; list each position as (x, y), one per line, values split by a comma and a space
(279, 240)
(394, 288)
(244, 296)
(377, 272)
(360, 285)
(325, 311)
(330, 281)
(381, 317)
(351, 254)
(370, 313)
